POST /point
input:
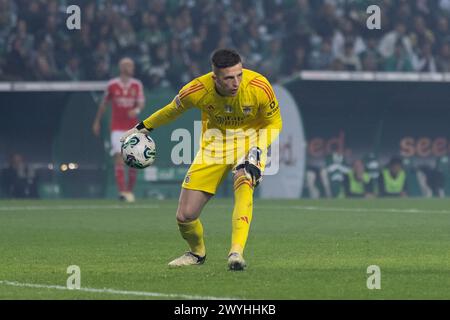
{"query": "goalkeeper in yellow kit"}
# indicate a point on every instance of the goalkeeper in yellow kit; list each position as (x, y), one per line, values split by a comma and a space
(240, 119)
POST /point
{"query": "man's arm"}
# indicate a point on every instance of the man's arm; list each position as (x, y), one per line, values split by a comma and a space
(272, 128)
(167, 114)
(98, 117)
(180, 104)
(272, 122)
(140, 103)
(137, 110)
(269, 130)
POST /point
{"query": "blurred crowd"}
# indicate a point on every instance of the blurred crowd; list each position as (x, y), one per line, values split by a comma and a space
(367, 178)
(18, 179)
(171, 40)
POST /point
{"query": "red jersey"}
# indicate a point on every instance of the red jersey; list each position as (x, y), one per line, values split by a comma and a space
(124, 97)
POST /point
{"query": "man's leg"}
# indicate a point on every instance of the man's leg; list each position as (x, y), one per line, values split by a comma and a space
(132, 175)
(190, 206)
(119, 166)
(242, 217)
(119, 172)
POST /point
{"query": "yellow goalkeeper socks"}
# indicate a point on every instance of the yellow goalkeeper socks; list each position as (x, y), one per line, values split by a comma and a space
(242, 213)
(192, 232)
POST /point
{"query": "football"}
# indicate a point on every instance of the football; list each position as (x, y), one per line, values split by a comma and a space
(138, 151)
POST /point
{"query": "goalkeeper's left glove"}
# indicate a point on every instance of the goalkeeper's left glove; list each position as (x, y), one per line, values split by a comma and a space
(140, 127)
(252, 165)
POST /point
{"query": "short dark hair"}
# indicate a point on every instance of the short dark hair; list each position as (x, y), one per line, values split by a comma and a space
(225, 58)
(396, 160)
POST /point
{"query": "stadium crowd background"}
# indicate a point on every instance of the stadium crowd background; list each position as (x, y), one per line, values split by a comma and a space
(171, 39)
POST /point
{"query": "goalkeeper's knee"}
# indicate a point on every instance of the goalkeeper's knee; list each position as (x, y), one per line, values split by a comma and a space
(241, 177)
(252, 166)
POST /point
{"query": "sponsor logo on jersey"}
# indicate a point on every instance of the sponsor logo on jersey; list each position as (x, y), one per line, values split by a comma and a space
(228, 108)
(125, 102)
(247, 110)
(229, 121)
(274, 111)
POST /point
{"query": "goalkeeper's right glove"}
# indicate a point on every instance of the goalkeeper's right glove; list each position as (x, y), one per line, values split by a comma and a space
(139, 128)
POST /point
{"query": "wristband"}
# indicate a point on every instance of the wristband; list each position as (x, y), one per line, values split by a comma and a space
(141, 126)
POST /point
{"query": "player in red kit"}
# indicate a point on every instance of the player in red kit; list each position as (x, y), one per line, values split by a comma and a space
(126, 95)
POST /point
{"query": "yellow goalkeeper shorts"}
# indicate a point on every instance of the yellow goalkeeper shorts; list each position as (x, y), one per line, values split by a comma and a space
(208, 175)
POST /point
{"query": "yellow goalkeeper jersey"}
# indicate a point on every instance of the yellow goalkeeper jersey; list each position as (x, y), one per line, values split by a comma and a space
(254, 107)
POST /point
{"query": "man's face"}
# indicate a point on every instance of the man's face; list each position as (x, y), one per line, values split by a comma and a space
(358, 167)
(16, 160)
(228, 80)
(126, 67)
(395, 169)
(401, 29)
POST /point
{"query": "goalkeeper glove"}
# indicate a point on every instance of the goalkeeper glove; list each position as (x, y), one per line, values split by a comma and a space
(252, 166)
(139, 128)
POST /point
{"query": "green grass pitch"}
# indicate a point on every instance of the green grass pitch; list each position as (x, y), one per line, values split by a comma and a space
(296, 250)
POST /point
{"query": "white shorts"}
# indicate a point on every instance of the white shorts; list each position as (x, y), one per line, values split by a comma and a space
(115, 141)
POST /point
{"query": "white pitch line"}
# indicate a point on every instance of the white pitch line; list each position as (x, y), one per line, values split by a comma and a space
(77, 207)
(112, 291)
(384, 210)
(211, 206)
